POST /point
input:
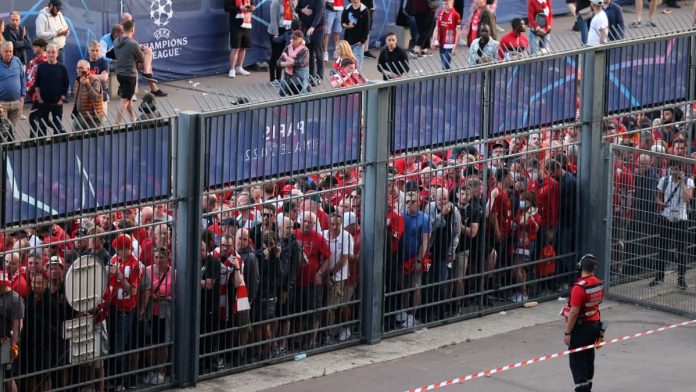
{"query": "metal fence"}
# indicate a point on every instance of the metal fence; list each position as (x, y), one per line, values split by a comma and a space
(280, 228)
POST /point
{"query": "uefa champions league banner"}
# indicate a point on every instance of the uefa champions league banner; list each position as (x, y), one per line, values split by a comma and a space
(637, 74)
(437, 111)
(284, 139)
(72, 175)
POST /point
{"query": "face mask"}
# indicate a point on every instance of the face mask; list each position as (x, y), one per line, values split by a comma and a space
(523, 204)
(516, 176)
(494, 169)
(534, 176)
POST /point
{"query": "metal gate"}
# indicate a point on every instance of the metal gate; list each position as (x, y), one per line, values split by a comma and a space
(652, 228)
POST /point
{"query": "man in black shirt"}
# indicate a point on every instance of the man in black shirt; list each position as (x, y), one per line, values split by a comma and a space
(18, 36)
(52, 89)
(311, 13)
(356, 20)
(210, 305)
(393, 61)
(472, 218)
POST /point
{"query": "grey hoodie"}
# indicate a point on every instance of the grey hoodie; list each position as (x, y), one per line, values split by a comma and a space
(127, 53)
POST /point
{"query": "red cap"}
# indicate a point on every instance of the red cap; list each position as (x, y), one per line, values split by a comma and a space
(437, 181)
(123, 241)
(51, 240)
(287, 189)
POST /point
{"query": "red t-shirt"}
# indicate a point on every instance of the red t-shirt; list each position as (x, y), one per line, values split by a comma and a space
(512, 42)
(548, 200)
(395, 228)
(525, 234)
(623, 184)
(19, 284)
(115, 294)
(315, 249)
(447, 23)
(503, 208)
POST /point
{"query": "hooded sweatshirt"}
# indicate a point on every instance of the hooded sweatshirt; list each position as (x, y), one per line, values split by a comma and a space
(127, 52)
(48, 25)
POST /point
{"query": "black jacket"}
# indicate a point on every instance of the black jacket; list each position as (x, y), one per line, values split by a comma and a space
(20, 41)
(395, 61)
(291, 256)
(251, 272)
(361, 18)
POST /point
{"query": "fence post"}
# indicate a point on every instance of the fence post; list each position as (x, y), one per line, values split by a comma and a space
(691, 89)
(377, 146)
(593, 180)
(188, 173)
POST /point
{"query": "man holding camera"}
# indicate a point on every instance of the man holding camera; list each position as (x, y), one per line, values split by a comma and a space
(674, 192)
(88, 111)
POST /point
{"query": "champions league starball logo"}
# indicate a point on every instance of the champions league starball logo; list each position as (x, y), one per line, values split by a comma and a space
(161, 12)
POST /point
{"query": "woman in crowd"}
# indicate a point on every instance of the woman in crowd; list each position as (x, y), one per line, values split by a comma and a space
(162, 276)
(343, 50)
(295, 61)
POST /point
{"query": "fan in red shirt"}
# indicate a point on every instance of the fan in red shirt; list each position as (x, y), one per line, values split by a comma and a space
(348, 75)
(500, 216)
(124, 276)
(17, 276)
(548, 193)
(446, 34)
(515, 43)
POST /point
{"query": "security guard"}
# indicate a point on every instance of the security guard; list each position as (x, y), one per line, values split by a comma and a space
(583, 325)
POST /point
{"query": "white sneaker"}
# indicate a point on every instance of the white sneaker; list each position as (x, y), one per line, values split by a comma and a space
(344, 334)
(158, 379)
(326, 56)
(231, 74)
(220, 363)
(242, 71)
(519, 298)
(401, 317)
(410, 322)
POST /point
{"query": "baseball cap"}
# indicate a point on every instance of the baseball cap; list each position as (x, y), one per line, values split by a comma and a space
(123, 241)
(437, 181)
(230, 222)
(56, 3)
(56, 260)
(597, 2)
(349, 218)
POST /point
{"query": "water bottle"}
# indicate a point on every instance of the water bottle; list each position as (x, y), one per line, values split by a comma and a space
(300, 356)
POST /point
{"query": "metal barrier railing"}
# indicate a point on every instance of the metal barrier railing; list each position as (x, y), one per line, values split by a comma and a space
(307, 178)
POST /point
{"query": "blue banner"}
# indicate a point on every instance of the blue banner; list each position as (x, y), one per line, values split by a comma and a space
(437, 111)
(92, 172)
(647, 74)
(534, 94)
(286, 139)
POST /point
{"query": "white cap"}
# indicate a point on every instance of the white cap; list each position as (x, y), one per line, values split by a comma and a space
(597, 2)
(349, 218)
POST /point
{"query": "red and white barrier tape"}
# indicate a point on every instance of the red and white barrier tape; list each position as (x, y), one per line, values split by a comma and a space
(546, 357)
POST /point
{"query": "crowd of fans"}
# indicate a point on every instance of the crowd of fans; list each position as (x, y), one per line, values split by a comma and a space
(280, 261)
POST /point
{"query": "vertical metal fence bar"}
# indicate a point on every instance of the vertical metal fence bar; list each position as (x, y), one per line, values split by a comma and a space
(189, 187)
(691, 91)
(377, 147)
(593, 195)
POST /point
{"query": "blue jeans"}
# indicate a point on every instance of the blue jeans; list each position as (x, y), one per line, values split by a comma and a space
(413, 27)
(584, 29)
(536, 42)
(359, 54)
(298, 83)
(446, 58)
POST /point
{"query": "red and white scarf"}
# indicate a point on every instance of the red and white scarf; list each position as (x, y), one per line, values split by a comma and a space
(244, 15)
(287, 14)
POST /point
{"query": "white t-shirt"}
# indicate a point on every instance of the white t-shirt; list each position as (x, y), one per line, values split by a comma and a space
(675, 210)
(599, 22)
(340, 246)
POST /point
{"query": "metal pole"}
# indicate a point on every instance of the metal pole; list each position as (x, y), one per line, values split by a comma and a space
(594, 162)
(120, 3)
(691, 92)
(189, 187)
(486, 125)
(377, 147)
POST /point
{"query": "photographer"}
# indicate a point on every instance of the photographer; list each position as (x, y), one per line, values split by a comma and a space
(674, 192)
(88, 111)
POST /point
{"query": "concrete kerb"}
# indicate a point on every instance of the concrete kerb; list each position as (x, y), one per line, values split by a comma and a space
(389, 349)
